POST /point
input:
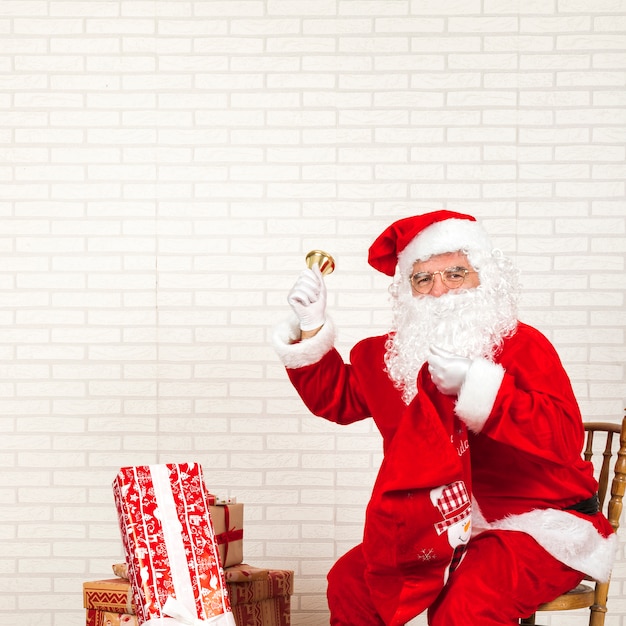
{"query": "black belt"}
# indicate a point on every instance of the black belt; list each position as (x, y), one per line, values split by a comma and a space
(590, 506)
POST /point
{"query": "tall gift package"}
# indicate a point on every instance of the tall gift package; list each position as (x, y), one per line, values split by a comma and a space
(170, 547)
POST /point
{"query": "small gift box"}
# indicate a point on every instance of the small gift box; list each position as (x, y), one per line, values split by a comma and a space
(228, 527)
(264, 600)
(112, 595)
(109, 618)
(170, 547)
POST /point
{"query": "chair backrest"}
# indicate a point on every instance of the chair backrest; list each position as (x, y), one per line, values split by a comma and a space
(613, 509)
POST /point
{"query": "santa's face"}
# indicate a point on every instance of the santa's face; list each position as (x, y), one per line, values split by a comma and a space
(470, 318)
(456, 262)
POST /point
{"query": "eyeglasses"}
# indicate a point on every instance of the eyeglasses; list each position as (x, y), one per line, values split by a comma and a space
(452, 277)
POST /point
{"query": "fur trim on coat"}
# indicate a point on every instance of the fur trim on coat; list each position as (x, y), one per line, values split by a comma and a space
(569, 538)
(478, 394)
(295, 353)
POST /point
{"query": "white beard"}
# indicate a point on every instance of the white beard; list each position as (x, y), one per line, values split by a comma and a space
(471, 323)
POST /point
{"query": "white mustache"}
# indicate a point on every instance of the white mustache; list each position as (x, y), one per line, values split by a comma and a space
(470, 323)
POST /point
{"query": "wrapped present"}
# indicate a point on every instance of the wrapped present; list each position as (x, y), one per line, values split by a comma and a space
(240, 573)
(264, 601)
(109, 602)
(171, 552)
(112, 594)
(228, 527)
(260, 597)
(109, 618)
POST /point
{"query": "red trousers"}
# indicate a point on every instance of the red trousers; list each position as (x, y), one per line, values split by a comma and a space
(505, 575)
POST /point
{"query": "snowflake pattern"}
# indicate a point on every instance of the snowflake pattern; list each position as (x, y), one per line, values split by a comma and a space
(426, 554)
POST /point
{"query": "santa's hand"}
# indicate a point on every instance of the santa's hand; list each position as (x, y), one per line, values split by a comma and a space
(447, 370)
(308, 299)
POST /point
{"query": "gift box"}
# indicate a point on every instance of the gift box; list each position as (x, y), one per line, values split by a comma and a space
(228, 528)
(259, 597)
(109, 618)
(112, 594)
(263, 601)
(171, 551)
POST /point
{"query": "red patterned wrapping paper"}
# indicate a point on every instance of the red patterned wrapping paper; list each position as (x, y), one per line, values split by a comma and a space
(240, 573)
(111, 594)
(271, 612)
(170, 547)
(109, 618)
(259, 597)
(264, 601)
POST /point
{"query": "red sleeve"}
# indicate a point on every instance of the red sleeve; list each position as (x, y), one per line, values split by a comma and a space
(348, 392)
(330, 389)
(535, 408)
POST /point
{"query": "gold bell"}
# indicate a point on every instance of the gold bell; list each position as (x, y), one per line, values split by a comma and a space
(323, 259)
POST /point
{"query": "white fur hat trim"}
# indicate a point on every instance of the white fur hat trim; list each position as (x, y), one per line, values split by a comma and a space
(450, 235)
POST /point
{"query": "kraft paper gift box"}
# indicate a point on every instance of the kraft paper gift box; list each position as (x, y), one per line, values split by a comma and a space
(259, 597)
(171, 552)
(109, 603)
(109, 618)
(264, 601)
(228, 527)
(113, 595)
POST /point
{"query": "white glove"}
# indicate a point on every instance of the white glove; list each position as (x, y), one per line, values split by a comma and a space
(308, 299)
(447, 370)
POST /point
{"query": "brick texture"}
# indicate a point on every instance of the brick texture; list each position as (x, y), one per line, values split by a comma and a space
(166, 165)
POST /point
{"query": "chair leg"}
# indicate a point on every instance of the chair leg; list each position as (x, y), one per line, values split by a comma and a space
(598, 613)
(598, 608)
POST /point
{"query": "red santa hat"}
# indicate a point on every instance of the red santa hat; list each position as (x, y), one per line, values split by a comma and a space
(422, 236)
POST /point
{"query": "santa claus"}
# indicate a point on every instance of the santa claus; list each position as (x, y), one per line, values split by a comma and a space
(479, 422)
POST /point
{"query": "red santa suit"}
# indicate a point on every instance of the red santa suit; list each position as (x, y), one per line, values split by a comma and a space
(525, 432)
(519, 418)
(423, 487)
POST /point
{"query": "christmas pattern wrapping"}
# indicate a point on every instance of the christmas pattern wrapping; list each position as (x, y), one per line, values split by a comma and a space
(240, 573)
(227, 520)
(109, 618)
(112, 594)
(263, 601)
(170, 547)
(260, 598)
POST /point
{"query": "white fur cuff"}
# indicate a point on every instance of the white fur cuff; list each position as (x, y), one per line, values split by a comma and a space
(478, 393)
(569, 538)
(294, 353)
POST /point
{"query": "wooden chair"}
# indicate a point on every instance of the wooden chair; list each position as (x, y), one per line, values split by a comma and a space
(593, 595)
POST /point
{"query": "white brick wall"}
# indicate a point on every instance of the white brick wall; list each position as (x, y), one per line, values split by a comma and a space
(165, 166)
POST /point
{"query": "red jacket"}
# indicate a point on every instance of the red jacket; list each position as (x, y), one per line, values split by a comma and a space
(525, 435)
